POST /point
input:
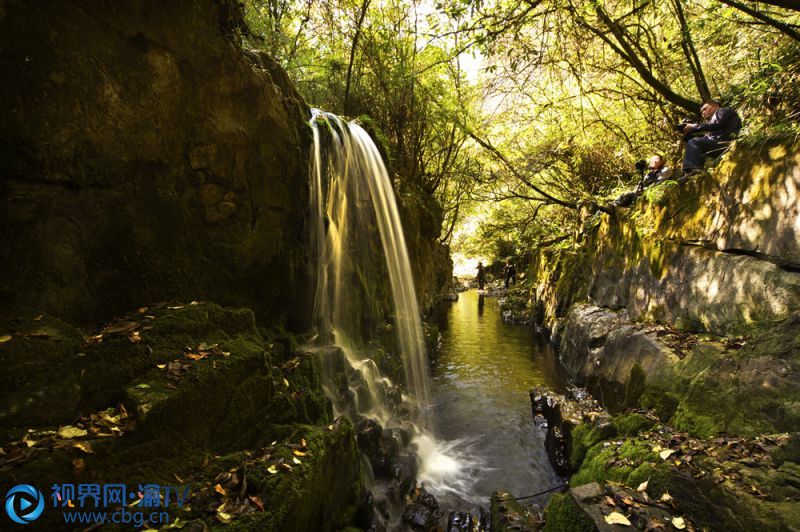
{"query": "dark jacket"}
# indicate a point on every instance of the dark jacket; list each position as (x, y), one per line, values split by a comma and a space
(723, 126)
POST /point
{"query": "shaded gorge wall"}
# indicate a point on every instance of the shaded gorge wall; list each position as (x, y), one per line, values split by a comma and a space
(144, 157)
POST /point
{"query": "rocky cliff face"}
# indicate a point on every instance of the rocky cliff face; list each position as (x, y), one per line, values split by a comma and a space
(144, 157)
(689, 301)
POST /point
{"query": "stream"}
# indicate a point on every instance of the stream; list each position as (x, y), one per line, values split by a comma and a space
(481, 378)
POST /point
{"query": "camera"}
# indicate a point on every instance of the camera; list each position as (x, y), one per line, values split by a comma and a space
(641, 165)
(679, 126)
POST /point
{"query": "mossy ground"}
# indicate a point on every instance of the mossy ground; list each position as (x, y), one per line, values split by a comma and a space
(722, 483)
(247, 392)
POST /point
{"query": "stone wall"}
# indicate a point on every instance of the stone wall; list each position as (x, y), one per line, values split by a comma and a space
(718, 255)
(688, 303)
(144, 157)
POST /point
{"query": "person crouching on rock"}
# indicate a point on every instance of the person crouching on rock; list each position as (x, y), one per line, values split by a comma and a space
(657, 171)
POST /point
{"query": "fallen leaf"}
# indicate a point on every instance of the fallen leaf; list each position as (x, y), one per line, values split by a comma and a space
(219, 489)
(257, 501)
(121, 327)
(296, 461)
(39, 317)
(68, 432)
(223, 517)
(643, 486)
(666, 453)
(303, 443)
(84, 446)
(5, 338)
(616, 518)
(272, 469)
(285, 383)
(179, 479)
(161, 366)
(678, 523)
(666, 497)
(95, 339)
(298, 453)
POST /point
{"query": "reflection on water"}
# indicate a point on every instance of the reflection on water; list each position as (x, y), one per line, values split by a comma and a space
(481, 380)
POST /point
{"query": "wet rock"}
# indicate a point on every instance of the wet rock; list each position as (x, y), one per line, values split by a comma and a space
(507, 514)
(422, 513)
(561, 415)
(468, 522)
(379, 446)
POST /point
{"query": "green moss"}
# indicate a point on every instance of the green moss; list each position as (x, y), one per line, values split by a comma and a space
(635, 386)
(663, 402)
(697, 424)
(585, 436)
(659, 194)
(323, 492)
(564, 515)
(604, 463)
(632, 424)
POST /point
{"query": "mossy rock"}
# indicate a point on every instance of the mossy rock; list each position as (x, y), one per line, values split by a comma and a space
(39, 385)
(659, 194)
(323, 492)
(563, 514)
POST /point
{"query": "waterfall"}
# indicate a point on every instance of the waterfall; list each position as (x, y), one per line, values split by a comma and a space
(353, 199)
(357, 234)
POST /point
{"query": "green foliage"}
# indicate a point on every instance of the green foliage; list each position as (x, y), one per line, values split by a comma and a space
(515, 114)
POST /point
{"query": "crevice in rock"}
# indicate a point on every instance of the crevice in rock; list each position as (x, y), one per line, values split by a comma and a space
(789, 266)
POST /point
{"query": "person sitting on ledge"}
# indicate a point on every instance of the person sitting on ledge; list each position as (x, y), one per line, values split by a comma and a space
(721, 127)
(657, 171)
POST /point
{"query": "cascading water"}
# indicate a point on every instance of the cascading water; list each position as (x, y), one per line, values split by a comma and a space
(356, 178)
(353, 202)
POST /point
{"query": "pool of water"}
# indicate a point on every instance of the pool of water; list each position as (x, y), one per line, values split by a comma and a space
(481, 410)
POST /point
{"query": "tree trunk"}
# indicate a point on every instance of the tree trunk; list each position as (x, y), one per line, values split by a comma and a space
(359, 24)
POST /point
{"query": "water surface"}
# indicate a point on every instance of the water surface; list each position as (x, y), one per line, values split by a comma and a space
(481, 408)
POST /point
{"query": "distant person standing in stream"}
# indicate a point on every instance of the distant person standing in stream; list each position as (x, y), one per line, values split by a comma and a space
(510, 273)
(481, 277)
